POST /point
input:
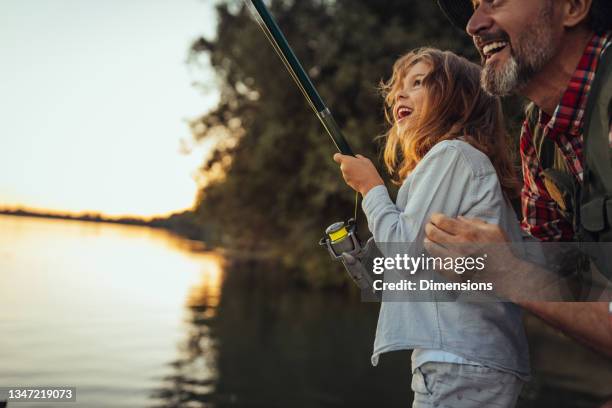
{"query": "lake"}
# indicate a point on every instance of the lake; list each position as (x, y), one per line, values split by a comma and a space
(137, 317)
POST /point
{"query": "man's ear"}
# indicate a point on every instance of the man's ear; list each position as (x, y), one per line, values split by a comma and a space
(575, 12)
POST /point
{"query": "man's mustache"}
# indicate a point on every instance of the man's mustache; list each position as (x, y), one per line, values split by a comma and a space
(488, 37)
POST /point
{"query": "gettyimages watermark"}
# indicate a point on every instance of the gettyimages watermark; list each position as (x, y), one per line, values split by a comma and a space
(527, 271)
(423, 263)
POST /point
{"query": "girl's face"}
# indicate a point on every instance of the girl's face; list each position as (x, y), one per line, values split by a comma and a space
(411, 95)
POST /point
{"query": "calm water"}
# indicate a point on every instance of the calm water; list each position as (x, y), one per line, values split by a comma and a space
(135, 317)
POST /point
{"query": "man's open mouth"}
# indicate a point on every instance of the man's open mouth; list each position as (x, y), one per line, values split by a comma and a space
(493, 48)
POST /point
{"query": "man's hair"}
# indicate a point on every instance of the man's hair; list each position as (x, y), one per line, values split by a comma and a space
(455, 105)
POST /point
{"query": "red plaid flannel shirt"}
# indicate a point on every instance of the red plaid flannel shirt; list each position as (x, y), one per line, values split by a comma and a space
(541, 215)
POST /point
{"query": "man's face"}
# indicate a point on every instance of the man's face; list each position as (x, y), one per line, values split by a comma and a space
(515, 38)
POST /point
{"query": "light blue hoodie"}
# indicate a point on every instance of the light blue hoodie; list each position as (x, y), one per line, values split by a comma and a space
(455, 179)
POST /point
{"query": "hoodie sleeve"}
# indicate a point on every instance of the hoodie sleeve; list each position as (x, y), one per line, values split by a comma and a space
(442, 182)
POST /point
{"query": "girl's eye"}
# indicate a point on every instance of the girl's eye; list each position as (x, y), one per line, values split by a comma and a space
(417, 82)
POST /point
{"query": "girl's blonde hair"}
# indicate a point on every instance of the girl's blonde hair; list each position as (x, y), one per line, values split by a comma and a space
(455, 105)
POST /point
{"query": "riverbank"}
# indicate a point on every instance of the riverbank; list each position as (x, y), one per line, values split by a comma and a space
(182, 223)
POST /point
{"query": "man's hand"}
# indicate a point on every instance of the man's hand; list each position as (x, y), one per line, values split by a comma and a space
(520, 281)
(469, 231)
(445, 236)
(358, 172)
(470, 237)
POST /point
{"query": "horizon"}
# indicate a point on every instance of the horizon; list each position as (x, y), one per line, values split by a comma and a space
(44, 212)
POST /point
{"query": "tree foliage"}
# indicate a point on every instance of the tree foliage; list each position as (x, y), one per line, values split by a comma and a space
(270, 186)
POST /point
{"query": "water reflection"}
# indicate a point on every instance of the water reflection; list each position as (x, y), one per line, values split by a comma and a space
(195, 371)
(272, 347)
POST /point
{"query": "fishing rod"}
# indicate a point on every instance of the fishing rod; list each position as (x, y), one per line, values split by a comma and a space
(280, 44)
(340, 239)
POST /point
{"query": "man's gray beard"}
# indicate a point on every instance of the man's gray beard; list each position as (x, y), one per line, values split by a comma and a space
(501, 83)
(514, 75)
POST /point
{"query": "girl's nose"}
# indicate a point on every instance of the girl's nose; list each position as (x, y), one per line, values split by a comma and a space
(401, 95)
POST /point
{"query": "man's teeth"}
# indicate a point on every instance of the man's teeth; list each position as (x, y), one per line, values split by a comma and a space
(493, 47)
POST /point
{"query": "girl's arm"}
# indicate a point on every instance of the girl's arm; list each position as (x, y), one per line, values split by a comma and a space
(443, 182)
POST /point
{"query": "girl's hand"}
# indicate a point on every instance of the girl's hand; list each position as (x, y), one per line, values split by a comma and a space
(358, 172)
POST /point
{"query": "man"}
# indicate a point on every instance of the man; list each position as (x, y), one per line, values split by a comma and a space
(547, 51)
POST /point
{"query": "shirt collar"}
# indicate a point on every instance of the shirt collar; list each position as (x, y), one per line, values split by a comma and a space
(569, 114)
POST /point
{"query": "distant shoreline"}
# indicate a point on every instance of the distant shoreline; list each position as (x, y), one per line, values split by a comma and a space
(183, 223)
(91, 217)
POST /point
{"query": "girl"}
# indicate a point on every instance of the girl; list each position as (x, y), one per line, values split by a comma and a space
(446, 147)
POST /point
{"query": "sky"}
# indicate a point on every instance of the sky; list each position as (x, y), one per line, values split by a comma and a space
(94, 102)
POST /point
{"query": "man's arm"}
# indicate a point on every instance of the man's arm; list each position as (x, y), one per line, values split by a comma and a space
(588, 322)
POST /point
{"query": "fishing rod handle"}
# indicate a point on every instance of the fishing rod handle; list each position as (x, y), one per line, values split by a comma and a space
(334, 132)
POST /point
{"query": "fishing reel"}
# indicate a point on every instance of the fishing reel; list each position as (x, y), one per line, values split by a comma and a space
(344, 245)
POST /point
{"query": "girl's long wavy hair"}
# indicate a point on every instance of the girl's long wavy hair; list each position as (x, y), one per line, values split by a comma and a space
(455, 105)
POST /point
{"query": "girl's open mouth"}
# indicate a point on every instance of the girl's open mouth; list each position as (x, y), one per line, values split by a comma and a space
(403, 112)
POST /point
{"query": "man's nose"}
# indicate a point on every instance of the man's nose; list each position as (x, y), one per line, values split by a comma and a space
(479, 21)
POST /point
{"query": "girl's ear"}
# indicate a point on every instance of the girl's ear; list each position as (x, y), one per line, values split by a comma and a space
(575, 12)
